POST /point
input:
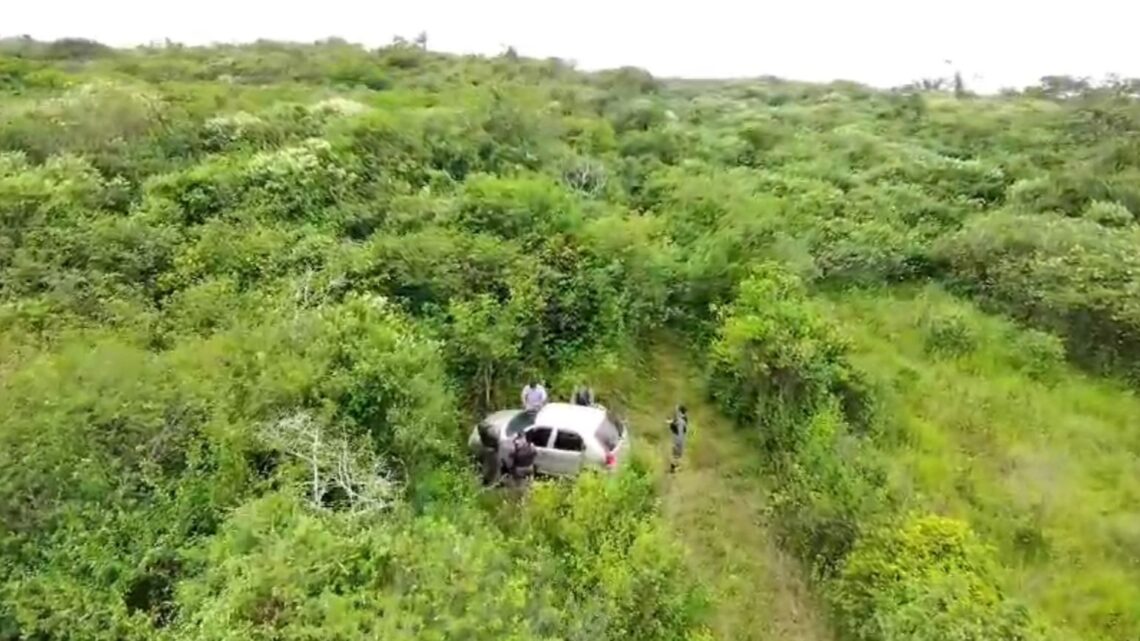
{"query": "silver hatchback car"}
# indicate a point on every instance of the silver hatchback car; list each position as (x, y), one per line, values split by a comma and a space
(566, 437)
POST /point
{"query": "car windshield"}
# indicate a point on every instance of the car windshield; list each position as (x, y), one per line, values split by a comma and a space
(520, 422)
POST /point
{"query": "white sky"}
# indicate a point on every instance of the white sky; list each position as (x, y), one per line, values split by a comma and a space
(881, 42)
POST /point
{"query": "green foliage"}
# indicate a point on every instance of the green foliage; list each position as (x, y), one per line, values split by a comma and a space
(159, 445)
(1108, 214)
(1071, 276)
(779, 366)
(777, 361)
(1040, 355)
(948, 334)
(514, 208)
(991, 437)
(928, 578)
(619, 571)
(248, 292)
(246, 300)
(581, 562)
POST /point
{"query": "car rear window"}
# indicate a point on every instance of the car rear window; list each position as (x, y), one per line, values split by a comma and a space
(520, 422)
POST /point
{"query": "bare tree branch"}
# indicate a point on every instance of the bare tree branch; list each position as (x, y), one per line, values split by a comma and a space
(333, 461)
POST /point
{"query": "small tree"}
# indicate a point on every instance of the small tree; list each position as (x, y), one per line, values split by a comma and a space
(336, 465)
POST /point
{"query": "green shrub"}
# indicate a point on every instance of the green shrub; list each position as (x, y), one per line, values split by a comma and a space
(296, 183)
(948, 334)
(268, 575)
(1109, 214)
(231, 131)
(585, 560)
(925, 578)
(425, 269)
(101, 119)
(868, 252)
(949, 178)
(830, 491)
(1039, 354)
(1027, 193)
(198, 194)
(1071, 276)
(777, 360)
(159, 446)
(613, 561)
(518, 208)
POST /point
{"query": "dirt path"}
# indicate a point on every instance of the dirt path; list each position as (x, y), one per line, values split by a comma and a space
(715, 504)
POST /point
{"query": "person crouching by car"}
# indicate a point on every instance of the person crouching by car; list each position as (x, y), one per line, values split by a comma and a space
(489, 456)
(522, 459)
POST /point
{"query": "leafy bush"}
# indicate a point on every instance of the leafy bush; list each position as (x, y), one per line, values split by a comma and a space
(949, 178)
(522, 208)
(948, 334)
(1039, 354)
(233, 130)
(1071, 276)
(777, 361)
(159, 446)
(779, 366)
(1108, 214)
(926, 578)
(868, 252)
(633, 585)
(581, 562)
(296, 182)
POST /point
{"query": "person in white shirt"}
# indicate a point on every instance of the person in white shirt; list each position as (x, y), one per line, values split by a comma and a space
(533, 396)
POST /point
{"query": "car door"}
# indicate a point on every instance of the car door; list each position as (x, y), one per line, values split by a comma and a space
(566, 453)
(540, 438)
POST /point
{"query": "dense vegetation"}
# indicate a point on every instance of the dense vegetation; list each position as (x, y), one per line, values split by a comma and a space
(250, 298)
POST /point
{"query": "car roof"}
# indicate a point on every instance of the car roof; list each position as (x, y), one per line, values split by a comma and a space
(500, 416)
(567, 416)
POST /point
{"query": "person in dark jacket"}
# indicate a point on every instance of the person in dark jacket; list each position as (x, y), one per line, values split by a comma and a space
(489, 456)
(678, 430)
(523, 454)
(583, 395)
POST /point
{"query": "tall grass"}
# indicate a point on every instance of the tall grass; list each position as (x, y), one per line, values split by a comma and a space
(992, 427)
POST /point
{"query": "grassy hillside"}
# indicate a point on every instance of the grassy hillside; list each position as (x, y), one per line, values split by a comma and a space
(993, 427)
(252, 297)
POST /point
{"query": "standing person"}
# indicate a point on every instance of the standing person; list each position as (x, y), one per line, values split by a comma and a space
(533, 396)
(522, 459)
(583, 395)
(678, 429)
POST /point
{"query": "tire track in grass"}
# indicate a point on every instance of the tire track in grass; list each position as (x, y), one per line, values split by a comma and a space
(715, 504)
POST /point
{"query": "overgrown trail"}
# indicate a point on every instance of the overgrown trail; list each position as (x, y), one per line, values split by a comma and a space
(715, 504)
